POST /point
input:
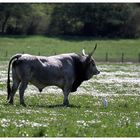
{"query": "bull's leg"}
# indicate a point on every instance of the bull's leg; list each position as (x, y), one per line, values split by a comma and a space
(22, 88)
(67, 90)
(13, 91)
(66, 100)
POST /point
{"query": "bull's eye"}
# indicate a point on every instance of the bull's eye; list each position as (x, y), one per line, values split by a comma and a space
(92, 63)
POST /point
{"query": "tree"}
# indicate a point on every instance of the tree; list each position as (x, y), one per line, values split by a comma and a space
(132, 28)
(90, 19)
(12, 13)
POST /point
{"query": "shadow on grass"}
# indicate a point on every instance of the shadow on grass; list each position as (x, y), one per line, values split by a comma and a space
(59, 37)
(61, 105)
(54, 106)
(70, 38)
(15, 36)
(46, 106)
(73, 38)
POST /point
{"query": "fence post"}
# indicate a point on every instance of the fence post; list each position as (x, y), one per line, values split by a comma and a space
(106, 57)
(122, 57)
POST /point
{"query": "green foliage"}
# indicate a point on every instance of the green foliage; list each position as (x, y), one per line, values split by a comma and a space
(91, 19)
(12, 16)
(94, 19)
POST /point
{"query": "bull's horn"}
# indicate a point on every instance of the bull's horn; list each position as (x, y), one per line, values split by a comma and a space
(93, 50)
(83, 52)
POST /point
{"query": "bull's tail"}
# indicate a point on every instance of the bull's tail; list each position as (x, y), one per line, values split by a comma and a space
(8, 79)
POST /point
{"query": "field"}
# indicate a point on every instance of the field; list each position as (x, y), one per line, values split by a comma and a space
(41, 45)
(86, 116)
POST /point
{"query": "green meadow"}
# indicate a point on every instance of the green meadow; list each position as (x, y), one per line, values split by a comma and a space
(43, 45)
(87, 116)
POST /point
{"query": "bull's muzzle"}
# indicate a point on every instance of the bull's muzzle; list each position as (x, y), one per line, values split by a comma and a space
(98, 72)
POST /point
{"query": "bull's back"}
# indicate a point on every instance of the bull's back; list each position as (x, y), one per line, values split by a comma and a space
(43, 71)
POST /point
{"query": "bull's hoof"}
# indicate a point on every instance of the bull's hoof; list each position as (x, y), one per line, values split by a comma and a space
(23, 104)
(66, 104)
(10, 102)
(8, 98)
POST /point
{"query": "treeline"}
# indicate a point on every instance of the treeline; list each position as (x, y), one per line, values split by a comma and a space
(83, 19)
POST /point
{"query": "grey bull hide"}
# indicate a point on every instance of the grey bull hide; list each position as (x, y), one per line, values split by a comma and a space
(66, 71)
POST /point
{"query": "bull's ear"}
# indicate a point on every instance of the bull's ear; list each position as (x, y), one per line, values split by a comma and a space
(83, 52)
(93, 50)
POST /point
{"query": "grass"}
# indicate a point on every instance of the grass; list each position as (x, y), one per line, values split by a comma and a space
(43, 45)
(45, 116)
(85, 118)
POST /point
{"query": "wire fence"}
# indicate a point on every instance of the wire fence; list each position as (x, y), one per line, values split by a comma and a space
(122, 57)
(106, 57)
